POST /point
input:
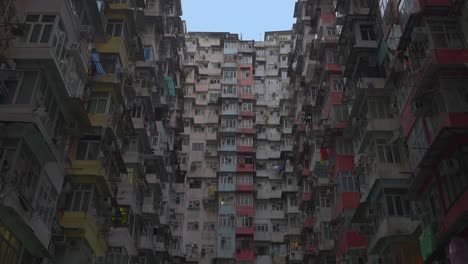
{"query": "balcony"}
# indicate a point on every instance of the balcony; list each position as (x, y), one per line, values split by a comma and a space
(244, 209)
(83, 225)
(245, 167)
(390, 229)
(245, 130)
(309, 222)
(245, 149)
(226, 187)
(245, 255)
(245, 187)
(350, 240)
(263, 259)
(120, 237)
(310, 250)
(226, 129)
(246, 113)
(262, 236)
(345, 201)
(224, 147)
(296, 254)
(227, 168)
(245, 231)
(365, 130)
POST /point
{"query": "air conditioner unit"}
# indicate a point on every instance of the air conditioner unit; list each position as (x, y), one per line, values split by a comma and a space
(449, 167)
(73, 47)
(86, 31)
(419, 107)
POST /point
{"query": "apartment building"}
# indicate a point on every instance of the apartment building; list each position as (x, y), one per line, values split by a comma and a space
(237, 138)
(375, 133)
(90, 115)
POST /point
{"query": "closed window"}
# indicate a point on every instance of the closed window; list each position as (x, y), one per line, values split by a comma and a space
(226, 220)
(244, 221)
(38, 28)
(347, 182)
(192, 226)
(197, 146)
(367, 32)
(387, 153)
(88, 150)
(99, 103)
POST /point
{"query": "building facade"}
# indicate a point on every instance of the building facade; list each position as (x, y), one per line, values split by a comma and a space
(371, 82)
(91, 97)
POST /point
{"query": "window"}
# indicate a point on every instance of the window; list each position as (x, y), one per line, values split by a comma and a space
(244, 221)
(11, 247)
(367, 32)
(185, 140)
(229, 123)
(229, 89)
(397, 205)
(208, 250)
(347, 182)
(246, 123)
(244, 243)
(82, 198)
(228, 159)
(246, 141)
(88, 150)
(454, 179)
(199, 112)
(228, 141)
(38, 28)
(261, 206)
(277, 206)
(226, 221)
(245, 179)
(246, 106)
(209, 226)
(115, 27)
(293, 201)
(99, 103)
(178, 198)
(192, 226)
(339, 112)
(226, 243)
(244, 199)
(261, 227)
(324, 199)
(191, 250)
(344, 146)
(198, 129)
(45, 201)
(245, 73)
(417, 143)
(245, 89)
(230, 74)
(446, 34)
(378, 107)
(226, 179)
(337, 85)
(387, 153)
(110, 63)
(230, 45)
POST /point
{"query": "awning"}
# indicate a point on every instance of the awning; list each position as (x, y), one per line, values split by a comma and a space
(170, 85)
(382, 51)
(23, 232)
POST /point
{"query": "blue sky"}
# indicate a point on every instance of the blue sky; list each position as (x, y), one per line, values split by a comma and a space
(247, 17)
